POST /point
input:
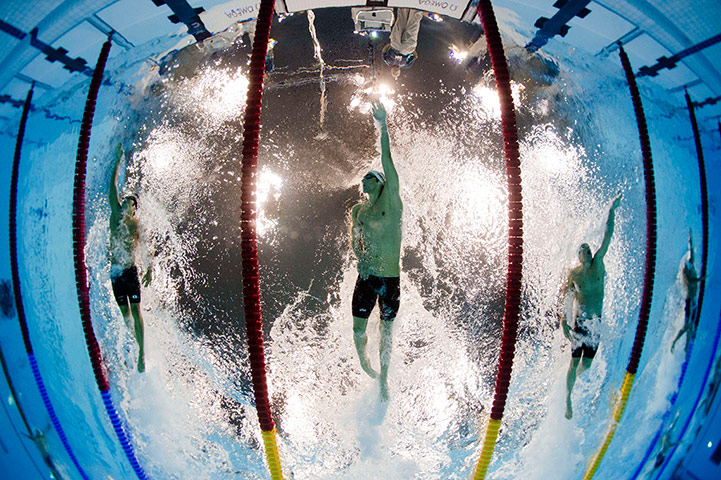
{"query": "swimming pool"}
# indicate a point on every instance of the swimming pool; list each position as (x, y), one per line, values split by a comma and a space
(191, 415)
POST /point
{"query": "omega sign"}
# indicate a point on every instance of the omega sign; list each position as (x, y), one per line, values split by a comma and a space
(438, 4)
(244, 12)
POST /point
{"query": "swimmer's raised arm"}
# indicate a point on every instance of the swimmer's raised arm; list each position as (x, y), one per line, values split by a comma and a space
(689, 270)
(610, 223)
(389, 169)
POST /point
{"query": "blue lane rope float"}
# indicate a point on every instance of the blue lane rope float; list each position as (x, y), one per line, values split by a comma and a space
(81, 279)
(666, 416)
(18, 293)
(696, 403)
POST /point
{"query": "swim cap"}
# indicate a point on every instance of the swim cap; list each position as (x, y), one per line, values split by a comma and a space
(132, 198)
(379, 175)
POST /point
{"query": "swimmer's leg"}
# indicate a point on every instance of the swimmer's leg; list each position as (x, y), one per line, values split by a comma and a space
(570, 382)
(585, 365)
(139, 334)
(361, 340)
(386, 345)
(680, 334)
(125, 310)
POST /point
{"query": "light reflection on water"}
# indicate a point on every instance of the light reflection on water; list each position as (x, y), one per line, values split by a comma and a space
(215, 94)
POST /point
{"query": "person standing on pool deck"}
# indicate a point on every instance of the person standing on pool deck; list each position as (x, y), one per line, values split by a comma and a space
(586, 281)
(401, 51)
(376, 242)
(123, 272)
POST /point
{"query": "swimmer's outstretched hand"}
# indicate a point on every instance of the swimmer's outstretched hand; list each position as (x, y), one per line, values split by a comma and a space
(617, 201)
(379, 111)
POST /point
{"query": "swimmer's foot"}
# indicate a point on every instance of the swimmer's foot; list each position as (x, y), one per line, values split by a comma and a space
(385, 396)
(141, 364)
(367, 368)
(569, 409)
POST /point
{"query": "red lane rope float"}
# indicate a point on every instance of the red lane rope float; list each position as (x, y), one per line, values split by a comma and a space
(650, 270)
(249, 237)
(19, 298)
(81, 279)
(515, 234)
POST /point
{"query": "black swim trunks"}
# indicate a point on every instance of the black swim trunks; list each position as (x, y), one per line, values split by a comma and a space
(387, 290)
(126, 286)
(585, 339)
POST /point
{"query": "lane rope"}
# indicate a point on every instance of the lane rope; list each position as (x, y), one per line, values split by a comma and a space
(249, 237)
(649, 273)
(515, 235)
(702, 286)
(18, 292)
(81, 279)
(704, 203)
(704, 256)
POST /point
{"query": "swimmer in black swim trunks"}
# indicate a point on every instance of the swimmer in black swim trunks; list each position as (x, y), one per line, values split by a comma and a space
(123, 272)
(586, 283)
(376, 241)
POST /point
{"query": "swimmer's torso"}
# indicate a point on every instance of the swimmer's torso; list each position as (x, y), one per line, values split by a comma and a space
(588, 285)
(380, 235)
(123, 238)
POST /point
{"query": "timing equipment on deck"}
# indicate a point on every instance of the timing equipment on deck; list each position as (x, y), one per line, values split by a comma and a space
(369, 19)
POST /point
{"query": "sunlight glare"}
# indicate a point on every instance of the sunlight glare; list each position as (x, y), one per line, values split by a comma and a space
(483, 198)
(269, 185)
(456, 54)
(489, 101)
(361, 99)
(162, 151)
(220, 94)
